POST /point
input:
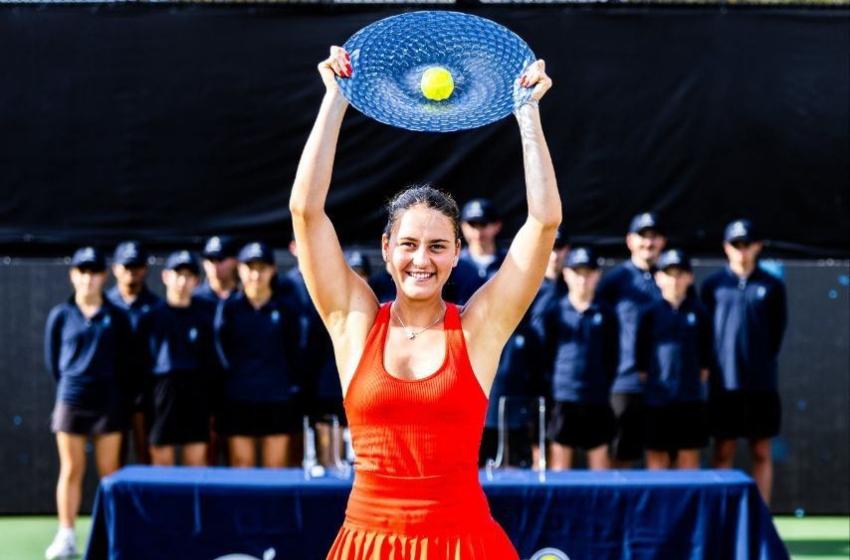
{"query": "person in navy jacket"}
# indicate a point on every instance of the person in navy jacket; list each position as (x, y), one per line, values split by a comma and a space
(257, 336)
(221, 282)
(87, 343)
(580, 338)
(629, 288)
(131, 294)
(672, 354)
(180, 358)
(747, 307)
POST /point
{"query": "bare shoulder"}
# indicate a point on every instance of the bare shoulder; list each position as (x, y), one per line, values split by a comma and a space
(349, 332)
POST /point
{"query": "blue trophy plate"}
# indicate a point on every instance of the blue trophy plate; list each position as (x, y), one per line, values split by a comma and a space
(389, 57)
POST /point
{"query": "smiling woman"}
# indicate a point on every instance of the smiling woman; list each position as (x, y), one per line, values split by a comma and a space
(416, 372)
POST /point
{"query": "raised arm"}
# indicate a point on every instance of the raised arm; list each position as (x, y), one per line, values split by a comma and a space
(494, 311)
(335, 289)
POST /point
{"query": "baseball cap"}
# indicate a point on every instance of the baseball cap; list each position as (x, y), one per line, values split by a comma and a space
(182, 259)
(581, 256)
(219, 247)
(256, 251)
(645, 221)
(356, 259)
(479, 210)
(88, 257)
(674, 258)
(561, 238)
(740, 230)
(130, 253)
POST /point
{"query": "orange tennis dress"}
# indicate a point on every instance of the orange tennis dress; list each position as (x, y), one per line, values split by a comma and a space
(416, 494)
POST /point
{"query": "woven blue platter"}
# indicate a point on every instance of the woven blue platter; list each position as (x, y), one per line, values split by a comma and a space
(389, 56)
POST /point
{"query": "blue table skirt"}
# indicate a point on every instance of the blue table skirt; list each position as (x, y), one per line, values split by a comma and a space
(204, 513)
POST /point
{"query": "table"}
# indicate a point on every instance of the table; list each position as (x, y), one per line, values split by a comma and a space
(207, 513)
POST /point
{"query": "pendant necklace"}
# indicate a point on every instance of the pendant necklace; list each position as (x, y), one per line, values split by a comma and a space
(410, 333)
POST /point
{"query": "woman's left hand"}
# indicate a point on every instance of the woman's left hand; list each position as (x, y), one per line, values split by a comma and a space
(535, 76)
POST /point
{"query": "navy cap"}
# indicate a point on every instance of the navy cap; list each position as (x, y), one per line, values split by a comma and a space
(479, 210)
(740, 230)
(130, 253)
(561, 238)
(182, 259)
(645, 221)
(674, 258)
(219, 247)
(88, 257)
(356, 259)
(581, 256)
(256, 251)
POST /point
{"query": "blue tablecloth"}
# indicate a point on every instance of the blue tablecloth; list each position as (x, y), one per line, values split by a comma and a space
(192, 513)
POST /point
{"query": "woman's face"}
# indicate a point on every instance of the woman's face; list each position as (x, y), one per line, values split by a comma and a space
(179, 284)
(87, 282)
(256, 277)
(421, 251)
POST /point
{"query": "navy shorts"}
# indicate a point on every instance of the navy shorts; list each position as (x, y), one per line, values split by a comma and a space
(744, 414)
(72, 419)
(675, 426)
(181, 409)
(581, 425)
(629, 411)
(258, 419)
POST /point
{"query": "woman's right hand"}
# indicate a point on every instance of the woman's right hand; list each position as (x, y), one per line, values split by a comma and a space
(338, 63)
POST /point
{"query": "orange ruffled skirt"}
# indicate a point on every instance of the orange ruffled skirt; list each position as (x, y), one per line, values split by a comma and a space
(419, 518)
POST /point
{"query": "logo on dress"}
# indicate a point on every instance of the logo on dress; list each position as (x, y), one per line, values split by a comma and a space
(193, 334)
(597, 319)
(761, 292)
(692, 319)
(275, 316)
(519, 341)
(146, 308)
(550, 554)
(107, 320)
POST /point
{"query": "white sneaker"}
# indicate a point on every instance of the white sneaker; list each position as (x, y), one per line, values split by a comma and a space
(64, 546)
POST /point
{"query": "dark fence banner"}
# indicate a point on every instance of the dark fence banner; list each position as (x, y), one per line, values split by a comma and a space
(172, 122)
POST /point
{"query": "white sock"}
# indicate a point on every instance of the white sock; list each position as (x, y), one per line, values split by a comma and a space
(67, 533)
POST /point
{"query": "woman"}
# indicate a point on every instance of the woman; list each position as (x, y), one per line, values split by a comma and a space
(87, 342)
(257, 333)
(179, 345)
(416, 372)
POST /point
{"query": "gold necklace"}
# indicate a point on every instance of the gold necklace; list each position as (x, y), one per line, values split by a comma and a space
(410, 333)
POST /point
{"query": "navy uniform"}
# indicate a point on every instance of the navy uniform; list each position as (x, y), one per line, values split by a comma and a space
(259, 350)
(132, 254)
(673, 348)
(180, 356)
(581, 349)
(89, 358)
(749, 320)
(629, 290)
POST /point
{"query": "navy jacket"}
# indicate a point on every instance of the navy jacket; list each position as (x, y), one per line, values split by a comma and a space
(628, 290)
(141, 306)
(748, 318)
(259, 348)
(582, 350)
(673, 346)
(468, 276)
(179, 339)
(89, 358)
(321, 379)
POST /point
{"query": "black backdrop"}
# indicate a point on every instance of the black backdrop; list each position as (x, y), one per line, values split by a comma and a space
(173, 122)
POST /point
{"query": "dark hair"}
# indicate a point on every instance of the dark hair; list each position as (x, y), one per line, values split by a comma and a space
(427, 196)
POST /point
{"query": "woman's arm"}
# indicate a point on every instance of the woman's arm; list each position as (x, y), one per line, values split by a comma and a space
(344, 301)
(495, 310)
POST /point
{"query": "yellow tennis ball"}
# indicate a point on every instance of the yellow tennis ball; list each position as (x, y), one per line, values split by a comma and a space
(437, 83)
